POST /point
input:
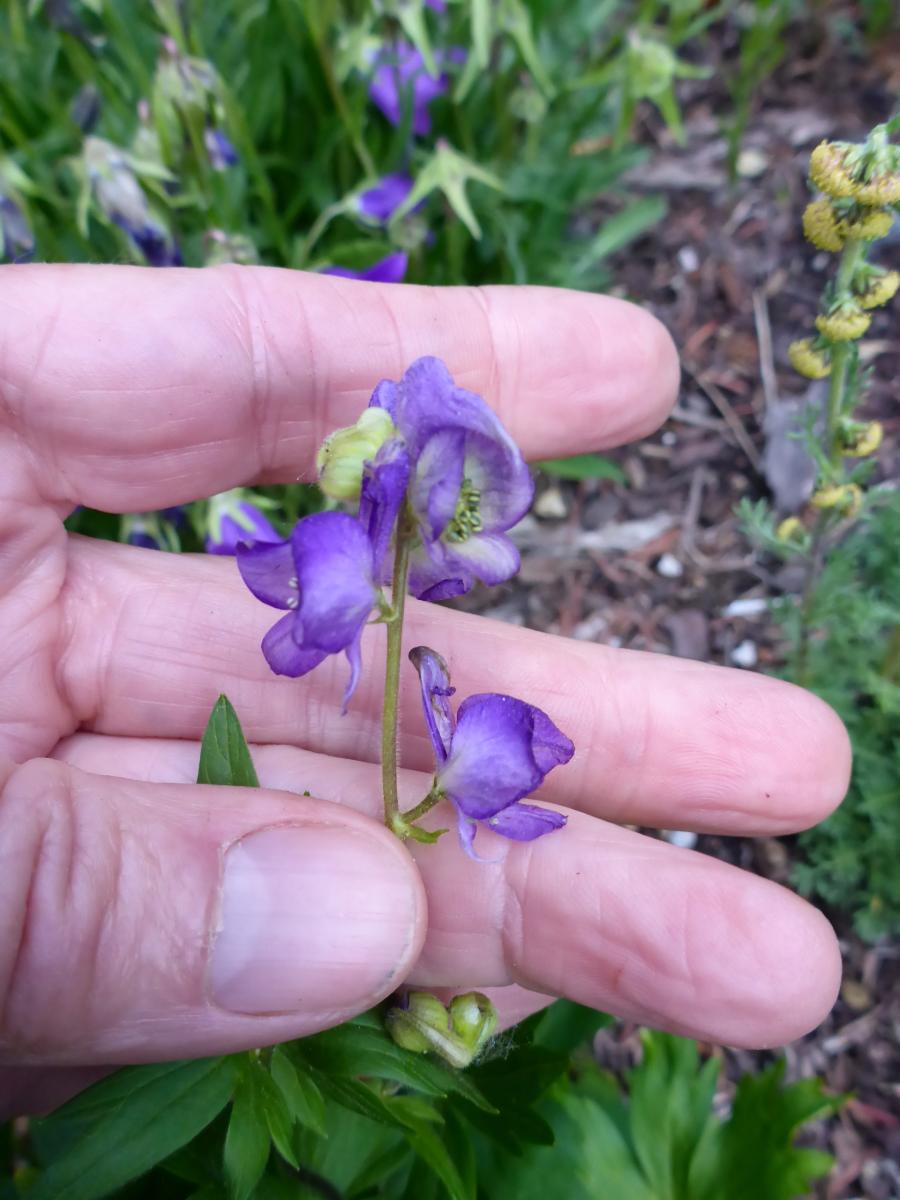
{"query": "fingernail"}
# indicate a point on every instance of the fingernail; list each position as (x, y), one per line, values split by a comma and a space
(310, 918)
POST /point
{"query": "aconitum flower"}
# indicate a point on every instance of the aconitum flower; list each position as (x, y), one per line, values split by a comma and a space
(219, 148)
(401, 80)
(390, 269)
(379, 202)
(469, 481)
(233, 519)
(16, 238)
(123, 202)
(326, 575)
(497, 751)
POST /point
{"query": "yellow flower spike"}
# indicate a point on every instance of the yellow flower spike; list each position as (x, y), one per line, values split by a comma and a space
(880, 289)
(822, 227)
(880, 190)
(864, 441)
(789, 528)
(845, 497)
(845, 324)
(868, 227)
(828, 172)
(808, 361)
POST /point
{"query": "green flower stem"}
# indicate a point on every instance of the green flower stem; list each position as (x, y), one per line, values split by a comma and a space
(435, 796)
(392, 817)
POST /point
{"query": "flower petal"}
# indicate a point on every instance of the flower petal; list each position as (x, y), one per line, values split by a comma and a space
(335, 571)
(525, 822)
(379, 202)
(282, 652)
(249, 525)
(490, 557)
(430, 580)
(434, 679)
(550, 746)
(354, 658)
(383, 490)
(437, 480)
(466, 828)
(497, 469)
(390, 269)
(269, 572)
(490, 764)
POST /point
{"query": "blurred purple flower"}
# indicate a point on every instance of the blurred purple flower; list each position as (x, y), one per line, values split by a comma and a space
(390, 269)
(219, 148)
(469, 481)
(233, 520)
(497, 751)
(380, 202)
(401, 81)
(123, 202)
(16, 238)
(327, 574)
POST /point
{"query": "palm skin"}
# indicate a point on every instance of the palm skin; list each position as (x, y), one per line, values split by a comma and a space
(121, 939)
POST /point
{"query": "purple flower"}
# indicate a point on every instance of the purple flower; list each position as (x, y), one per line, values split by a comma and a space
(380, 202)
(232, 520)
(219, 148)
(401, 82)
(497, 751)
(16, 238)
(390, 269)
(326, 575)
(469, 481)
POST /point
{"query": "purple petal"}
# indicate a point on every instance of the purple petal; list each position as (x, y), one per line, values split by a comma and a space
(282, 652)
(219, 148)
(354, 658)
(490, 557)
(385, 396)
(550, 746)
(490, 764)
(390, 269)
(438, 479)
(269, 572)
(431, 580)
(383, 491)
(401, 83)
(525, 822)
(380, 202)
(445, 590)
(251, 526)
(466, 828)
(434, 680)
(333, 556)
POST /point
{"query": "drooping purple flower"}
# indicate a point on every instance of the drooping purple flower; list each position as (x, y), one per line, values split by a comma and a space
(219, 148)
(379, 202)
(402, 83)
(326, 575)
(234, 519)
(496, 752)
(121, 199)
(390, 269)
(469, 481)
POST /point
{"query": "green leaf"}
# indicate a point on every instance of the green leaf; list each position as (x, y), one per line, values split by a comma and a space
(565, 1026)
(584, 466)
(129, 1122)
(247, 1142)
(617, 231)
(224, 756)
(303, 1098)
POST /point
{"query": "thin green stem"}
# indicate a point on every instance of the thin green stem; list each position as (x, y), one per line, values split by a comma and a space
(435, 796)
(392, 817)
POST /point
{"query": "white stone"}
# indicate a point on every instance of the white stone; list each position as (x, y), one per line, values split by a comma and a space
(745, 654)
(669, 567)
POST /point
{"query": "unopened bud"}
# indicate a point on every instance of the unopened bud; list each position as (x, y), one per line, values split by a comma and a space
(845, 324)
(859, 440)
(880, 190)
(879, 289)
(809, 361)
(868, 226)
(790, 529)
(459, 1035)
(828, 171)
(845, 497)
(343, 453)
(473, 1019)
(821, 226)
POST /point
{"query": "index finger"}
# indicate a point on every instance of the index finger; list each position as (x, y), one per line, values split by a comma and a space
(137, 388)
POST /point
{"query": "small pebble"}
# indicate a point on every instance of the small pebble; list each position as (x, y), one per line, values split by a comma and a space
(686, 839)
(688, 258)
(669, 567)
(751, 162)
(551, 504)
(745, 654)
(747, 606)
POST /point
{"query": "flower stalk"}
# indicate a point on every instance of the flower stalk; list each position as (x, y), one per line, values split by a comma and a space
(390, 711)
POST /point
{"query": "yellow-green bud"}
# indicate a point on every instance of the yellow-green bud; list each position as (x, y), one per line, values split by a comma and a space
(867, 227)
(343, 453)
(858, 440)
(807, 360)
(458, 1035)
(789, 529)
(829, 173)
(845, 497)
(880, 289)
(821, 226)
(421, 1024)
(880, 189)
(845, 324)
(474, 1019)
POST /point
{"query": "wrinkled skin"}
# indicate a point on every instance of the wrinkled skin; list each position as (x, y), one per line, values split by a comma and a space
(129, 389)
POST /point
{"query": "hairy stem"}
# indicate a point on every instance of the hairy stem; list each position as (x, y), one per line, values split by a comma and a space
(435, 796)
(392, 817)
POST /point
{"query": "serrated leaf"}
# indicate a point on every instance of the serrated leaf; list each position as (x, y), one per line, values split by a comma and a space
(358, 1098)
(130, 1122)
(303, 1098)
(247, 1142)
(224, 755)
(584, 466)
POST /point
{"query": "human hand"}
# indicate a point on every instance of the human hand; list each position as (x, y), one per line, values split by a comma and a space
(146, 918)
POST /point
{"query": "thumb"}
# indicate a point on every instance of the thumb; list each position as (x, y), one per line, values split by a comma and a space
(157, 921)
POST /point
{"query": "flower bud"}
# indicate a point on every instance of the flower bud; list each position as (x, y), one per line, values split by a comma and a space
(845, 497)
(807, 360)
(343, 453)
(829, 172)
(880, 190)
(473, 1019)
(458, 1035)
(867, 227)
(859, 440)
(845, 324)
(821, 226)
(421, 1025)
(879, 289)
(790, 529)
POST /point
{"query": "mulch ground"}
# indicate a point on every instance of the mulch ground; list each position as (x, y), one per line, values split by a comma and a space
(661, 564)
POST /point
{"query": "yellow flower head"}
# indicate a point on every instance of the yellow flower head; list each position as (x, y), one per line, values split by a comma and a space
(807, 360)
(863, 440)
(789, 529)
(821, 226)
(828, 172)
(845, 497)
(880, 190)
(880, 289)
(845, 324)
(867, 227)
